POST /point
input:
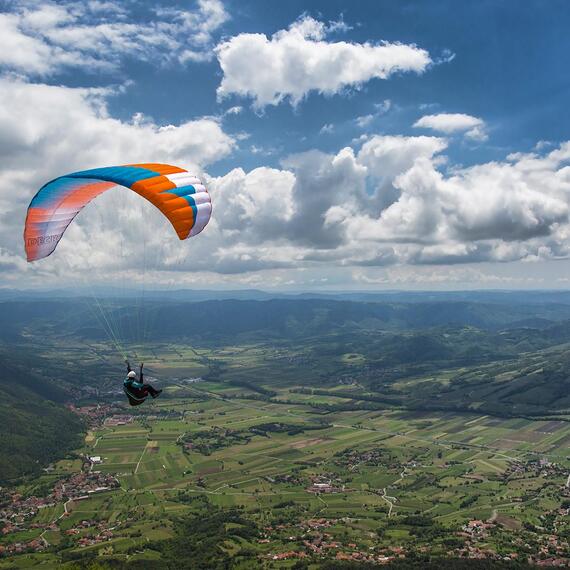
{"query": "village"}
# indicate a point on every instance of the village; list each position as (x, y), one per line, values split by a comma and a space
(17, 512)
(98, 415)
(550, 551)
(538, 467)
(321, 544)
(542, 550)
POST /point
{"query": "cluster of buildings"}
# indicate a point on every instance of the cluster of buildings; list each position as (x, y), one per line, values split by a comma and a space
(542, 467)
(317, 524)
(82, 485)
(91, 532)
(118, 420)
(352, 458)
(316, 542)
(189, 380)
(550, 550)
(94, 415)
(476, 528)
(290, 358)
(164, 415)
(290, 554)
(320, 485)
(373, 557)
(476, 553)
(17, 512)
(35, 545)
(537, 559)
(319, 488)
(322, 545)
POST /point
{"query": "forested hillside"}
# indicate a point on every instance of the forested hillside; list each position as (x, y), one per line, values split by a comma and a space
(36, 427)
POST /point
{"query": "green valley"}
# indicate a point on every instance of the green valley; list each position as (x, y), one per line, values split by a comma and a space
(359, 445)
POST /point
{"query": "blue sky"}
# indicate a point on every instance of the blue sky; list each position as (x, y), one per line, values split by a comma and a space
(507, 69)
(400, 144)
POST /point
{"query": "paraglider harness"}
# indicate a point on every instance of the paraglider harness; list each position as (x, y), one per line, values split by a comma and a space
(133, 387)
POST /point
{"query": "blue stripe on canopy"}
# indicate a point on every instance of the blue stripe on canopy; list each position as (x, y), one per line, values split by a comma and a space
(49, 194)
(52, 192)
(183, 191)
(123, 175)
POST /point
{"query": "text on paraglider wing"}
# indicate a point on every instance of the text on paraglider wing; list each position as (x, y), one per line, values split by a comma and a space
(41, 240)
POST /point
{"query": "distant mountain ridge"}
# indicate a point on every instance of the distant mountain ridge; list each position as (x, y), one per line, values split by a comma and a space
(493, 296)
(291, 318)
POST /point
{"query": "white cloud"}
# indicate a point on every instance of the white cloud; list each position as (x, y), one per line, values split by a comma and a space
(388, 156)
(255, 201)
(494, 212)
(478, 134)
(327, 129)
(382, 108)
(338, 26)
(474, 128)
(322, 182)
(45, 125)
(236, 110)
(543, 145)
(299, 60)
(488, 212)
(261, 150)
(43, 39)
(364, 120)
(447, 56)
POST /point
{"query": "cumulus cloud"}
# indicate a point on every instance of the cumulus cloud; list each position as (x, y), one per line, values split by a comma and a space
(257, 203)
(45, 126)
(499, 201)
(341, 215)
(473, 128)
(322, 182)
(387, 156)
(42, 39)
(299, 60)
(489, 212)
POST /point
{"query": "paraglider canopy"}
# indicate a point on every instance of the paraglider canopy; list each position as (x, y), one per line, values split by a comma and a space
(179, 195)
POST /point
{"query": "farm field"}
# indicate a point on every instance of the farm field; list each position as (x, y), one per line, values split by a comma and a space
(293, 450)
(462, 454)
(366, 472)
